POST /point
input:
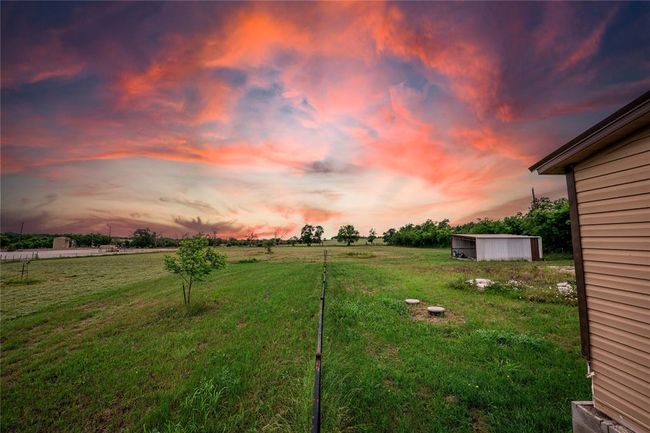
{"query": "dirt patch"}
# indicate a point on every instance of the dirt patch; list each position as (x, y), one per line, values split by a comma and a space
(391, 351)
(390, 383)
(563, 269)
(419, 312)
(105, 420)
(478, 421)
(384, 351)
(451, 399)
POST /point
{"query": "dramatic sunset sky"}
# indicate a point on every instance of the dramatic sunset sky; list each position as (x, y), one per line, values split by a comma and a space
(241, 117)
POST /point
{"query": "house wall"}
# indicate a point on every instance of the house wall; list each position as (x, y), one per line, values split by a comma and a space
(503, 249)
(613, 203)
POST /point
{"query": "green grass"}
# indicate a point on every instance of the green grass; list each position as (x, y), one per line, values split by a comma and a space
(104, 344)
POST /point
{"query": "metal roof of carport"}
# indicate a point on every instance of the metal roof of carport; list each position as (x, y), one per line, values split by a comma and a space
(493, 236)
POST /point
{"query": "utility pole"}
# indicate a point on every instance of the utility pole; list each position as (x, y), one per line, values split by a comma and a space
(109, 234)
(534, 199)
(20, 237)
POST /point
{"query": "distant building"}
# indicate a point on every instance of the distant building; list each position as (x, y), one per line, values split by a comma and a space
(607, 171)
(62, 243)
(496, 247)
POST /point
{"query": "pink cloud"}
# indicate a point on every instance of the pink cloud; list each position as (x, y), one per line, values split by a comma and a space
(589, 45)
(265, 100)
(308, 214)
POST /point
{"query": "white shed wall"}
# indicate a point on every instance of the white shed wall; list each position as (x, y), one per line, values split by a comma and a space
(504, 249)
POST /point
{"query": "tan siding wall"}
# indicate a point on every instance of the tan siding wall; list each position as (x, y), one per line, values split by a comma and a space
(613, 190)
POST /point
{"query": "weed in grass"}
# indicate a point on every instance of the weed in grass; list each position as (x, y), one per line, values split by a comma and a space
(396, 305)
(541, 292)
(196, 309)
(348, 310)
(203, 402)
(504, 338)
(176, 312)
(22, 282)
(251, 260)
(359, 255)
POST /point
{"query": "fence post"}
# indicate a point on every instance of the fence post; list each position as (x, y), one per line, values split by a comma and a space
(316, 415)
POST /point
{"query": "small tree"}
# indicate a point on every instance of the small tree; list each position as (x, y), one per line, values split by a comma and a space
(372, 235)
(347, 234)
(293, 240)
(193, 262)
(318, 234)
(307, 234)
(251, 239)
(269, 244)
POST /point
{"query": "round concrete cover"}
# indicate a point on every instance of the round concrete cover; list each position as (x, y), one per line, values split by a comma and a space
(436, 310)
(412, 301)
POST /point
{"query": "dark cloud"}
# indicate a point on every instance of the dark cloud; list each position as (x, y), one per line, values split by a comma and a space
(234, 77)
(328, 166)
(199, 226)
(227, 229)
(192, 204)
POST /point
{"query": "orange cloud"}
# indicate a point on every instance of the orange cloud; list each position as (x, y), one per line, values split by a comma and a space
(431, 101)
(466, 63)
(309, 215)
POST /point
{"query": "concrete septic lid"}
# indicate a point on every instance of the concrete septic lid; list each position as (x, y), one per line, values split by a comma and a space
(412, 301)
(436, 310)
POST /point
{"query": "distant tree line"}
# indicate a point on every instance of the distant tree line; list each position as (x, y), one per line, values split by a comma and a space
(546, 218)
(13, 241)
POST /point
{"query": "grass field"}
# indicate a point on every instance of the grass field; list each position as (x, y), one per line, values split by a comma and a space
(104, 344)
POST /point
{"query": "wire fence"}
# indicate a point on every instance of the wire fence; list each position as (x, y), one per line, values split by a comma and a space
(316, 415)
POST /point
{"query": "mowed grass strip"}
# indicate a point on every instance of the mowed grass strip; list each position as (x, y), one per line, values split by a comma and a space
(127, 356)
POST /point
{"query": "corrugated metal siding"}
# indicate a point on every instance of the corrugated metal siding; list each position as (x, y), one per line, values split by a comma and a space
(613, 191)
(504, 249)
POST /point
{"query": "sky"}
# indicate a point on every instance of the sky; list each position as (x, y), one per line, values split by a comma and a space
(238, 118)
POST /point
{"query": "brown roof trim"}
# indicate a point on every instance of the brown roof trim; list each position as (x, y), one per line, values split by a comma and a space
(631, 117)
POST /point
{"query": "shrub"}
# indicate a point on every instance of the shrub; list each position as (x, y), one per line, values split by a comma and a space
(194, 262)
